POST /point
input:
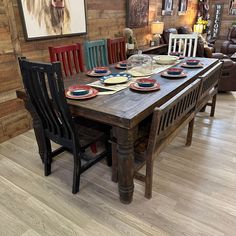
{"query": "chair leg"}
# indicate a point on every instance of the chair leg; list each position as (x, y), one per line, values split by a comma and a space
(213, 106)
(114, 163)
(149, 177)
(190, 133)
(47, 156)
(109, 153)
(76, 173)
(203, 109)
(94, 148)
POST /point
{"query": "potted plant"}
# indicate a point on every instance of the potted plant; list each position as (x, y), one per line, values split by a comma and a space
(130, 39)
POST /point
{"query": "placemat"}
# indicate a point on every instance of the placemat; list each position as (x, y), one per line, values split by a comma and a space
(111, 89)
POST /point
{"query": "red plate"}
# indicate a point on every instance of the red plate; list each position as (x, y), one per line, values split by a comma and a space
(93, 74)
(92, 93)
(165, 74)
(118, 66)
(135, 86)
(78, 87)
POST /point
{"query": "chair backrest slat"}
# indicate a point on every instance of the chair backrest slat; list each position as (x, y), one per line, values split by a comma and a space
(210, 79)
(96, 53)
(116, 50)
(44, 86)
(70, 56)
(189, 48)
(171, 114)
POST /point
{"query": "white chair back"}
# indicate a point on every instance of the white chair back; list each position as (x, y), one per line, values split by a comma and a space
(183, 43)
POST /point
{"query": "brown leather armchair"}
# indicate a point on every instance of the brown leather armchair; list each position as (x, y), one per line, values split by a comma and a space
(166, 34)
(229, 47)
(228, 78)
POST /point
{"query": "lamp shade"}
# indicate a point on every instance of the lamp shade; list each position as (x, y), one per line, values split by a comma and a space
(198, 28)
(157, 27)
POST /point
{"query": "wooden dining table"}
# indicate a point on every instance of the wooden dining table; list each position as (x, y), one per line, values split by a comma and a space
(123, 111)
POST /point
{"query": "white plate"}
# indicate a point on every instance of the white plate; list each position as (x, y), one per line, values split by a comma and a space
(165, 59)
(116, 78)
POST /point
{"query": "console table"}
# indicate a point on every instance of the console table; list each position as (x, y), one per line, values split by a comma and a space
(161, 49)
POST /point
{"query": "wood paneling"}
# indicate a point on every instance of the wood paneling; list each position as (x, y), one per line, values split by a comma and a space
(105, 18)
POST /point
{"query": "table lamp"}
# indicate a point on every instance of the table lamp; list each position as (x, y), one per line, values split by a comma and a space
(156, 29)
(198, 28)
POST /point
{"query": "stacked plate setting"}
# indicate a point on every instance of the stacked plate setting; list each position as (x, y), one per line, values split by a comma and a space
(192, 64)
(145, 85)
(99, 71)
(79, 92)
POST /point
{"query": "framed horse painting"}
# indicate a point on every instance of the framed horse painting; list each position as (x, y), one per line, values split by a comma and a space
(52, 18)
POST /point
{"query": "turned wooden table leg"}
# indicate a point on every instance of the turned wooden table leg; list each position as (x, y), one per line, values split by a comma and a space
(37, 128)
(125, 164)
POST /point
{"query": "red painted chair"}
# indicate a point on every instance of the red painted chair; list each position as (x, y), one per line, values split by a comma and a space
(70, 56)
(116, 50)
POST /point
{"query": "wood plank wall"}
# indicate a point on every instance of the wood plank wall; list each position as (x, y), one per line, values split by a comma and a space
(226, 20)
(105, 18)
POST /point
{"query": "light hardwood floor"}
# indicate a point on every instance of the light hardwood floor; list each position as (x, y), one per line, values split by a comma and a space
(194, 190)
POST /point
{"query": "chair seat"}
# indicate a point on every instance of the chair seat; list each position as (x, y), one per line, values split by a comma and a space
(89, 135)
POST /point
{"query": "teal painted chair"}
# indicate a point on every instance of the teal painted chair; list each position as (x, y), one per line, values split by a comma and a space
(96, 53)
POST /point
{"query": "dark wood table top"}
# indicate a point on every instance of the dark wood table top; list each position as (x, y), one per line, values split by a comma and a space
(127, 108)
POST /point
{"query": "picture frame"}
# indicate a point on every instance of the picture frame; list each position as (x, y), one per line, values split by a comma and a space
(46, 19)
(232, 9)
(167, 8)
(183, 7)
(137, 12)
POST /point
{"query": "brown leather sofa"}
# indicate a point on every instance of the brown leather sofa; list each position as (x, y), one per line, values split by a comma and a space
(228, 77)
(229, 47)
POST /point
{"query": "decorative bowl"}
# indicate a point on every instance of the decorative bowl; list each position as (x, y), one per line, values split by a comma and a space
(146, 82)
(174, 71)
(192, 62)
(177, 54)
(100, 70)
(165, 59)
(123, 63)
(78, 90)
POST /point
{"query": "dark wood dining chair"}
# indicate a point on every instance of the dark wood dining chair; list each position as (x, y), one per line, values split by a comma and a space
(166, 122)
(43, 84)
(96, 53)
(116, 50)
(70, 56)
(209, 91)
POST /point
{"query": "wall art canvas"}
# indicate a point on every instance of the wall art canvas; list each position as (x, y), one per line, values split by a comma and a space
(183, 6)
(232, 10)
(137, 13)
(52, 18)
(167, 7)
